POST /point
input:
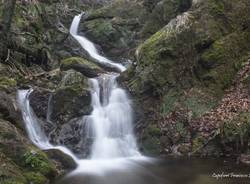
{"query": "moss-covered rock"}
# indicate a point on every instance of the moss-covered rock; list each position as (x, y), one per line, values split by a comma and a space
(190, 62)
(87, 68)
(21, 158)
(67, 63)
(6, 83)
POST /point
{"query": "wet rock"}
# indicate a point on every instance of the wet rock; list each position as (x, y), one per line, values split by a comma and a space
(9, 109)
(39, 101)
(70, 102)
(87, 68)
(64, 161)
(74, 135)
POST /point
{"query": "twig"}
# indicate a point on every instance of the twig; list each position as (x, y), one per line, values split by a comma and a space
(8, 56)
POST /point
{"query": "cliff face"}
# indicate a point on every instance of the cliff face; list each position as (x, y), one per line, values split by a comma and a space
(188, 65)
(189, 79)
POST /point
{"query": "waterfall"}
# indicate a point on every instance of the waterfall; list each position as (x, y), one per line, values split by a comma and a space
(89, 46)
(33, 127)
(111, 119)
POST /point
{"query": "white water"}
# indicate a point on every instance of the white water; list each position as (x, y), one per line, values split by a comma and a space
(33, 127)
(111, 118)
(89, 46)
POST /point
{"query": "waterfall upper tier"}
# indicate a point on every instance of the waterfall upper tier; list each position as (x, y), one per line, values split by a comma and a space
(89, 46)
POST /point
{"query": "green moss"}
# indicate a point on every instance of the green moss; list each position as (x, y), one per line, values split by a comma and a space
(101, 29)
(66, 63)
(35, 178)
(216, 7)
(6, 83)
(10, 173)
(153, 130)
(38, 161)
(223, 59)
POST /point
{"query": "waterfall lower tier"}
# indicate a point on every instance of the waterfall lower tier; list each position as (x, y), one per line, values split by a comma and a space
(111, 120)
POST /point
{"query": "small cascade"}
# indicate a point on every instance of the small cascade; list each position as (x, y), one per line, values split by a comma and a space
(111, 120)
(89, 46)
(35, 132)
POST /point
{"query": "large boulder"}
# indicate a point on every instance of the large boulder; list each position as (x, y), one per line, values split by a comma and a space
(85, 67)
(23, 163)
(188, 64)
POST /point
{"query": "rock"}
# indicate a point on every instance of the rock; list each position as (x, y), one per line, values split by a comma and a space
(65, 161)
(83, 66)
(160, 14)
(9, 109)
(244, 159)
(39, 101)
(74, 135)
(114, 27)
(70, 102)
(187, 64)
(22, 157)
(160, 62)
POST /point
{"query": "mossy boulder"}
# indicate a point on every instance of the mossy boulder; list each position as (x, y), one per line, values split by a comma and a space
(191, 61)
(87, 68)
(22, 157)
(66, 162)
(174, 55)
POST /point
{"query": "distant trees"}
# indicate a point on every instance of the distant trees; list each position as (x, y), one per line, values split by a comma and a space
(7, 15)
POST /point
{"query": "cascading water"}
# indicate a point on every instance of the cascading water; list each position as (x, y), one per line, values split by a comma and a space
(33, 127)
(111, 118)
(89, 46)
(110, 121)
